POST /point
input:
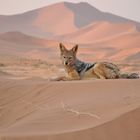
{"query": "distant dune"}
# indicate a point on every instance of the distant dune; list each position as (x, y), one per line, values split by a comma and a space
(99, 32)
(58, 19)
(120, 46)
(101, 36)
(17, 44)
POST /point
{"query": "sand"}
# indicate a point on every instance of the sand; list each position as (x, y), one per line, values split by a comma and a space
(34, 108)
(100, 109)
(47, 16)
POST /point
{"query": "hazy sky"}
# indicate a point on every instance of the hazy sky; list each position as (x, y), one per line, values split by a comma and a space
(126, 8)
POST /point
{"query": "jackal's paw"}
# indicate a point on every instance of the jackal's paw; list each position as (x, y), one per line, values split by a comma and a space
(62, 78)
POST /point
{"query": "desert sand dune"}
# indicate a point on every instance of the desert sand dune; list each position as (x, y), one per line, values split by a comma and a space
(33, 108)
(55, 25)
(47, 21)
(118, 49)
(99, 32)
(58, 19)
(37, 109)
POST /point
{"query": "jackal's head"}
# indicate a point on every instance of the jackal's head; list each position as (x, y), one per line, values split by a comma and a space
(68, 57)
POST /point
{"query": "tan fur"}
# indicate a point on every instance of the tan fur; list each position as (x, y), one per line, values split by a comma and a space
(101, 70)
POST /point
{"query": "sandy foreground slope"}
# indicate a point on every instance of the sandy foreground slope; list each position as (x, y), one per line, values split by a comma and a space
(35, 109)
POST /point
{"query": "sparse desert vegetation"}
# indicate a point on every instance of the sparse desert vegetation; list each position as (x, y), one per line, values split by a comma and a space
(27, 68)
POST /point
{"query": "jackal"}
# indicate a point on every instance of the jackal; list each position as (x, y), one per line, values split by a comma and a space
(77, 69)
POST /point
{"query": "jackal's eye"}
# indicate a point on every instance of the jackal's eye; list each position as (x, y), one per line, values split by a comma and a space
(70, 57)
(64, 56)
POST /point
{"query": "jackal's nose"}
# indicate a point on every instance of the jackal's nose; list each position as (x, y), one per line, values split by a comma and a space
(66, 63)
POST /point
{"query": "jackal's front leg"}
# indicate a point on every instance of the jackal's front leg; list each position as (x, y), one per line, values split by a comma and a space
(71, 76)
(64, 78)
(61, 78)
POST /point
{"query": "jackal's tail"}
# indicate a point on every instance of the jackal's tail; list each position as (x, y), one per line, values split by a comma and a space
(130, 76)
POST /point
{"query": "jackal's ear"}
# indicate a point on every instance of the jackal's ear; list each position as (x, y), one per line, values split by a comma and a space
(62, 47)
(75, 48)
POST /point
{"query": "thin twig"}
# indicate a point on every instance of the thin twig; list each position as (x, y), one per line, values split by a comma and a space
(78, 112)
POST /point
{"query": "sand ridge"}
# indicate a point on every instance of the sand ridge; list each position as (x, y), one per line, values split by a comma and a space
(36, 107)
